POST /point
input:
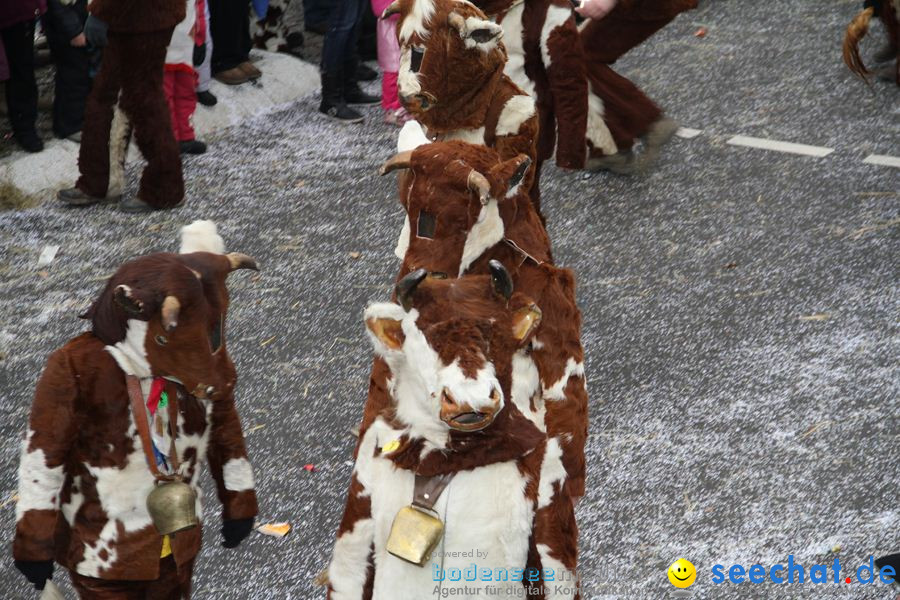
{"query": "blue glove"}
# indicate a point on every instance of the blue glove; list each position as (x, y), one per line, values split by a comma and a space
(95, 31)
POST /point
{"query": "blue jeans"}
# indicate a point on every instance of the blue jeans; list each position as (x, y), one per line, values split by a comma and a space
(339, 49)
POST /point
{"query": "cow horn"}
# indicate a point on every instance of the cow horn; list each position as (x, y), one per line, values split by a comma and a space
(393, 9)
(501, 282)
(402, 160)
(241, 261)
(457, 22)
(170, 309)
(407, 285)
(478, 183)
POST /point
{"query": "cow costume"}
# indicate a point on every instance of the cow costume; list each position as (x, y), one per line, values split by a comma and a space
(464, 208)
(450, 347)
(85, 475)
(451, 80)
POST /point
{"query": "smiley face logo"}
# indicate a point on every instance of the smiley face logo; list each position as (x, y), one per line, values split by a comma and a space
(682, 573)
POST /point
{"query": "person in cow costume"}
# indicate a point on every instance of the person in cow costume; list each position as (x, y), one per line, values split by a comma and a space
(451, 81)
(156, 354)
(453, 465)
(465, 207)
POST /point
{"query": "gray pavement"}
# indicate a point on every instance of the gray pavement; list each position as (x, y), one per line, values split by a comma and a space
(740, 316)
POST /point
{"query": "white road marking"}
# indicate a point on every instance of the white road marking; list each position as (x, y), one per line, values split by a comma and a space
(789, 147)
(883, 160)
(688, 133)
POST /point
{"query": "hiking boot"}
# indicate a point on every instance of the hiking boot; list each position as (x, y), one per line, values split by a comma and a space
(235, 76)
(249, 70)
(135, 205)
(333, 104)
(75, 197)
(660, 132)
(621, 163)
(29, 140)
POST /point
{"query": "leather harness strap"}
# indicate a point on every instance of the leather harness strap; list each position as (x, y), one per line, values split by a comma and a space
(428, 489)
(139, 411)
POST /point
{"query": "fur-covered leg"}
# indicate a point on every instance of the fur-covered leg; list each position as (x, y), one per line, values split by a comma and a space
(119, 140)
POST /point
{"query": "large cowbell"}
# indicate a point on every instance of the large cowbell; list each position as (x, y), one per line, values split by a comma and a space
(173, 507)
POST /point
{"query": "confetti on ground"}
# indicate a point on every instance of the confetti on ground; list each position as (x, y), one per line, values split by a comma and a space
(815, 317)
(700, 32)
(47, 255)
(309, 468)
(274, 529)
(355, 255)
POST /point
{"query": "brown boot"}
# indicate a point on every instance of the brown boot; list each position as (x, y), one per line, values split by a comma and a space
(249, 70)
(659, 134)
(235, 76)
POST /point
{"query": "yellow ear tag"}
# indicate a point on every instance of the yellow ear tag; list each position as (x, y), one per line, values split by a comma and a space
(390, 446)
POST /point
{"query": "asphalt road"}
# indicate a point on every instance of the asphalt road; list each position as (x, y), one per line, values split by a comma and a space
(740, 316)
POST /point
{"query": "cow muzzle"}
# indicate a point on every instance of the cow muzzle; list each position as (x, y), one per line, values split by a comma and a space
(422, 102)
(462, 417)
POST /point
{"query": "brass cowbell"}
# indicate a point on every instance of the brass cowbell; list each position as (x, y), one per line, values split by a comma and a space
(173, 507)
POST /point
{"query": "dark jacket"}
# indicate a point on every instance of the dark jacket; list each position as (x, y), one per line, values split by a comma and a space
(16, 11)
(65, 20)
(138, 16)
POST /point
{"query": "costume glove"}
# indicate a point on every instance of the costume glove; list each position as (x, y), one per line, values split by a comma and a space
(95, 31)
(235, 530)
(199, 54)
(35, 571)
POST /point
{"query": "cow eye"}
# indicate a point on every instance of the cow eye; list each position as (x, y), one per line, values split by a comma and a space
(417, 55)
(161, 340)
(425, 225)
(215, 335)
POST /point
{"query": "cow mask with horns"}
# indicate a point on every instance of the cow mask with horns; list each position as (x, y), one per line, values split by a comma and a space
(84, 477)
(450, 345)
(473, 214)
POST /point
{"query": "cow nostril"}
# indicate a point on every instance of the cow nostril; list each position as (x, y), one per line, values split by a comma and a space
(447, 399)
(495, 396)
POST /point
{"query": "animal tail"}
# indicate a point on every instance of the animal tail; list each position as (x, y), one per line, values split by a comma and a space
(857, 30)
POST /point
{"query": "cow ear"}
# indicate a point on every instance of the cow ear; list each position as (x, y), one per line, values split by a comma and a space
(130, 300)
(525, 321)
(512, 172)
(387, 333)
(475, 31)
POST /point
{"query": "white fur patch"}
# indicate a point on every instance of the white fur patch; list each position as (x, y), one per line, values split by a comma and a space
(526, 384)
(552, 471)
(566, 578)
(76, 499)
(39, 485)
(516, 111)
(515, 50)
(556, 17)
(238, 475)
(130, 353)
(557, 390)
(474, 24)
(486, 232)
(411, 136)
(408, 83)
(347, 572)
(119, 138)
(416, 21)
(597, 131)
(476, 392)
(201, 236)
(403, 240)
(471, 136)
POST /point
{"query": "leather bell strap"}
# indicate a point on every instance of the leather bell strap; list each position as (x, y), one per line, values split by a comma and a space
(428, 489)
(139, 411)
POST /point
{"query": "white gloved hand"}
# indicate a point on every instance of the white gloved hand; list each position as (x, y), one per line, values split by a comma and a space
(596, 9)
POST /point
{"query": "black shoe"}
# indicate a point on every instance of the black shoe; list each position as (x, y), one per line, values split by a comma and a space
(354, 95)
(294, 40)
(75, 197)
(136, 205)
(29, 141)
(192, 147)
(340, 112)
(206, 98)
(364, 73)
(320, 28)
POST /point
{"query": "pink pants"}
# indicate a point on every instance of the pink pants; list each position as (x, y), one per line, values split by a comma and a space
(180, 87)
(388, 60)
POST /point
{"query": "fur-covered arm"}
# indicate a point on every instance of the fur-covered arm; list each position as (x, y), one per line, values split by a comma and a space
(553, 546)
(352, 569)
(559, 357)
(568, 83)
(521, 141)
(52, 430)
(228, 462)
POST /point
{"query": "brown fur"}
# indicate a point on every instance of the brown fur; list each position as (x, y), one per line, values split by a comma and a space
(138, 16)
(131, 75)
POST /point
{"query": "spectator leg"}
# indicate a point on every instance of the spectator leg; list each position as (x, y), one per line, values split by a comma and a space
(21, 88)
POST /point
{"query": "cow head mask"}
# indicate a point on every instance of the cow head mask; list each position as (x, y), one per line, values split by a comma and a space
(450, 345)
(451, 60)
(164, 315)
(459, 199)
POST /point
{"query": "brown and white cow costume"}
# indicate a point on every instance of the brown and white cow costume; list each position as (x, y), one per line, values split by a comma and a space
(474, 213)
(451, 80)
(545, 59)
(451, 348)
(83, 476)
